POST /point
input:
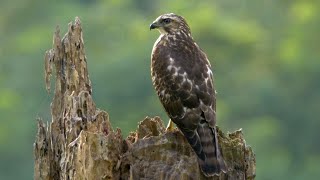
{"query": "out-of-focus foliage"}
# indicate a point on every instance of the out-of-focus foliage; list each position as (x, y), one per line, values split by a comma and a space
(266, 64)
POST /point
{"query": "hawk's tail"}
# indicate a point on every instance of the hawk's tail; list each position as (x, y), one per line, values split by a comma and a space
(205, 144)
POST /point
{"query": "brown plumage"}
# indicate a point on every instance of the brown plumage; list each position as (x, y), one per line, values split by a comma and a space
(182, 77)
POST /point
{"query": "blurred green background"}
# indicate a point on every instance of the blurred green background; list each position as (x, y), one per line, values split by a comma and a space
(265, 55)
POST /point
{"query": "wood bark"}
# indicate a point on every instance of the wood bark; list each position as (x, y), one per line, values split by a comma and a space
(80, 143)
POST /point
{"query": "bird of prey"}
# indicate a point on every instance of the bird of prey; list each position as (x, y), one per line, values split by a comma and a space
(181, 74)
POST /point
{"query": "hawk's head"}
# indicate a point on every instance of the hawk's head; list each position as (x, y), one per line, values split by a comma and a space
(170, 24)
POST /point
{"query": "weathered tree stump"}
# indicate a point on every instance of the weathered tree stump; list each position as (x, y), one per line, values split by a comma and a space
(80, 142)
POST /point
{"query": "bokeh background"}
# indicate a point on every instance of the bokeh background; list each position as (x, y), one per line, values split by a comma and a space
(266, 62)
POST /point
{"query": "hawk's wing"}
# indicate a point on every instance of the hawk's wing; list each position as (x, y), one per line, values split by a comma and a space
(185, 84)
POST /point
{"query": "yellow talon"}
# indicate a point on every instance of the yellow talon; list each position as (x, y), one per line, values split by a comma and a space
(170, 126)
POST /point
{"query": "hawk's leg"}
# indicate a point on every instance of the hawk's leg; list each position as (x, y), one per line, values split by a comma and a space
(170, 126)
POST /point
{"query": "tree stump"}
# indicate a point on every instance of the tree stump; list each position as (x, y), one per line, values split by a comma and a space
(80, 143)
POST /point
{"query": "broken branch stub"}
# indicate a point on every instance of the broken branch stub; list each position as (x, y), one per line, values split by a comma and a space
(80, 143)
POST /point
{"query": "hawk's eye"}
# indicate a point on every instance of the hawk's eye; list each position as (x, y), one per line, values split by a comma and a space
(167, 20)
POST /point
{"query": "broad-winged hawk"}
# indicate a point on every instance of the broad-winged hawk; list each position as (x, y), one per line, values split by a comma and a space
(182, 76)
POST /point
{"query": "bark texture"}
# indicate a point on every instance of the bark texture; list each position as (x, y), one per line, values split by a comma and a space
(80, 143)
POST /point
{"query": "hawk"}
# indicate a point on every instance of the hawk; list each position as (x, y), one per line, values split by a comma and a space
(181, 74)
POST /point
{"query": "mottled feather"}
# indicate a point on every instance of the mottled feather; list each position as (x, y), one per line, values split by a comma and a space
(182, 77)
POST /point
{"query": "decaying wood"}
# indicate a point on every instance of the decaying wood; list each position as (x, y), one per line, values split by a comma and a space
(80, 143)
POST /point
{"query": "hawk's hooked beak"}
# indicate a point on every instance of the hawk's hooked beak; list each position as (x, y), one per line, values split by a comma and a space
(154, 25)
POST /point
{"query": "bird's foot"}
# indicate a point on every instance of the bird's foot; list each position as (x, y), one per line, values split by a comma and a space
(170, 126)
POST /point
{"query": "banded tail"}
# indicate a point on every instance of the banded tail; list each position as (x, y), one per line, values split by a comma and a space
(204, 142)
